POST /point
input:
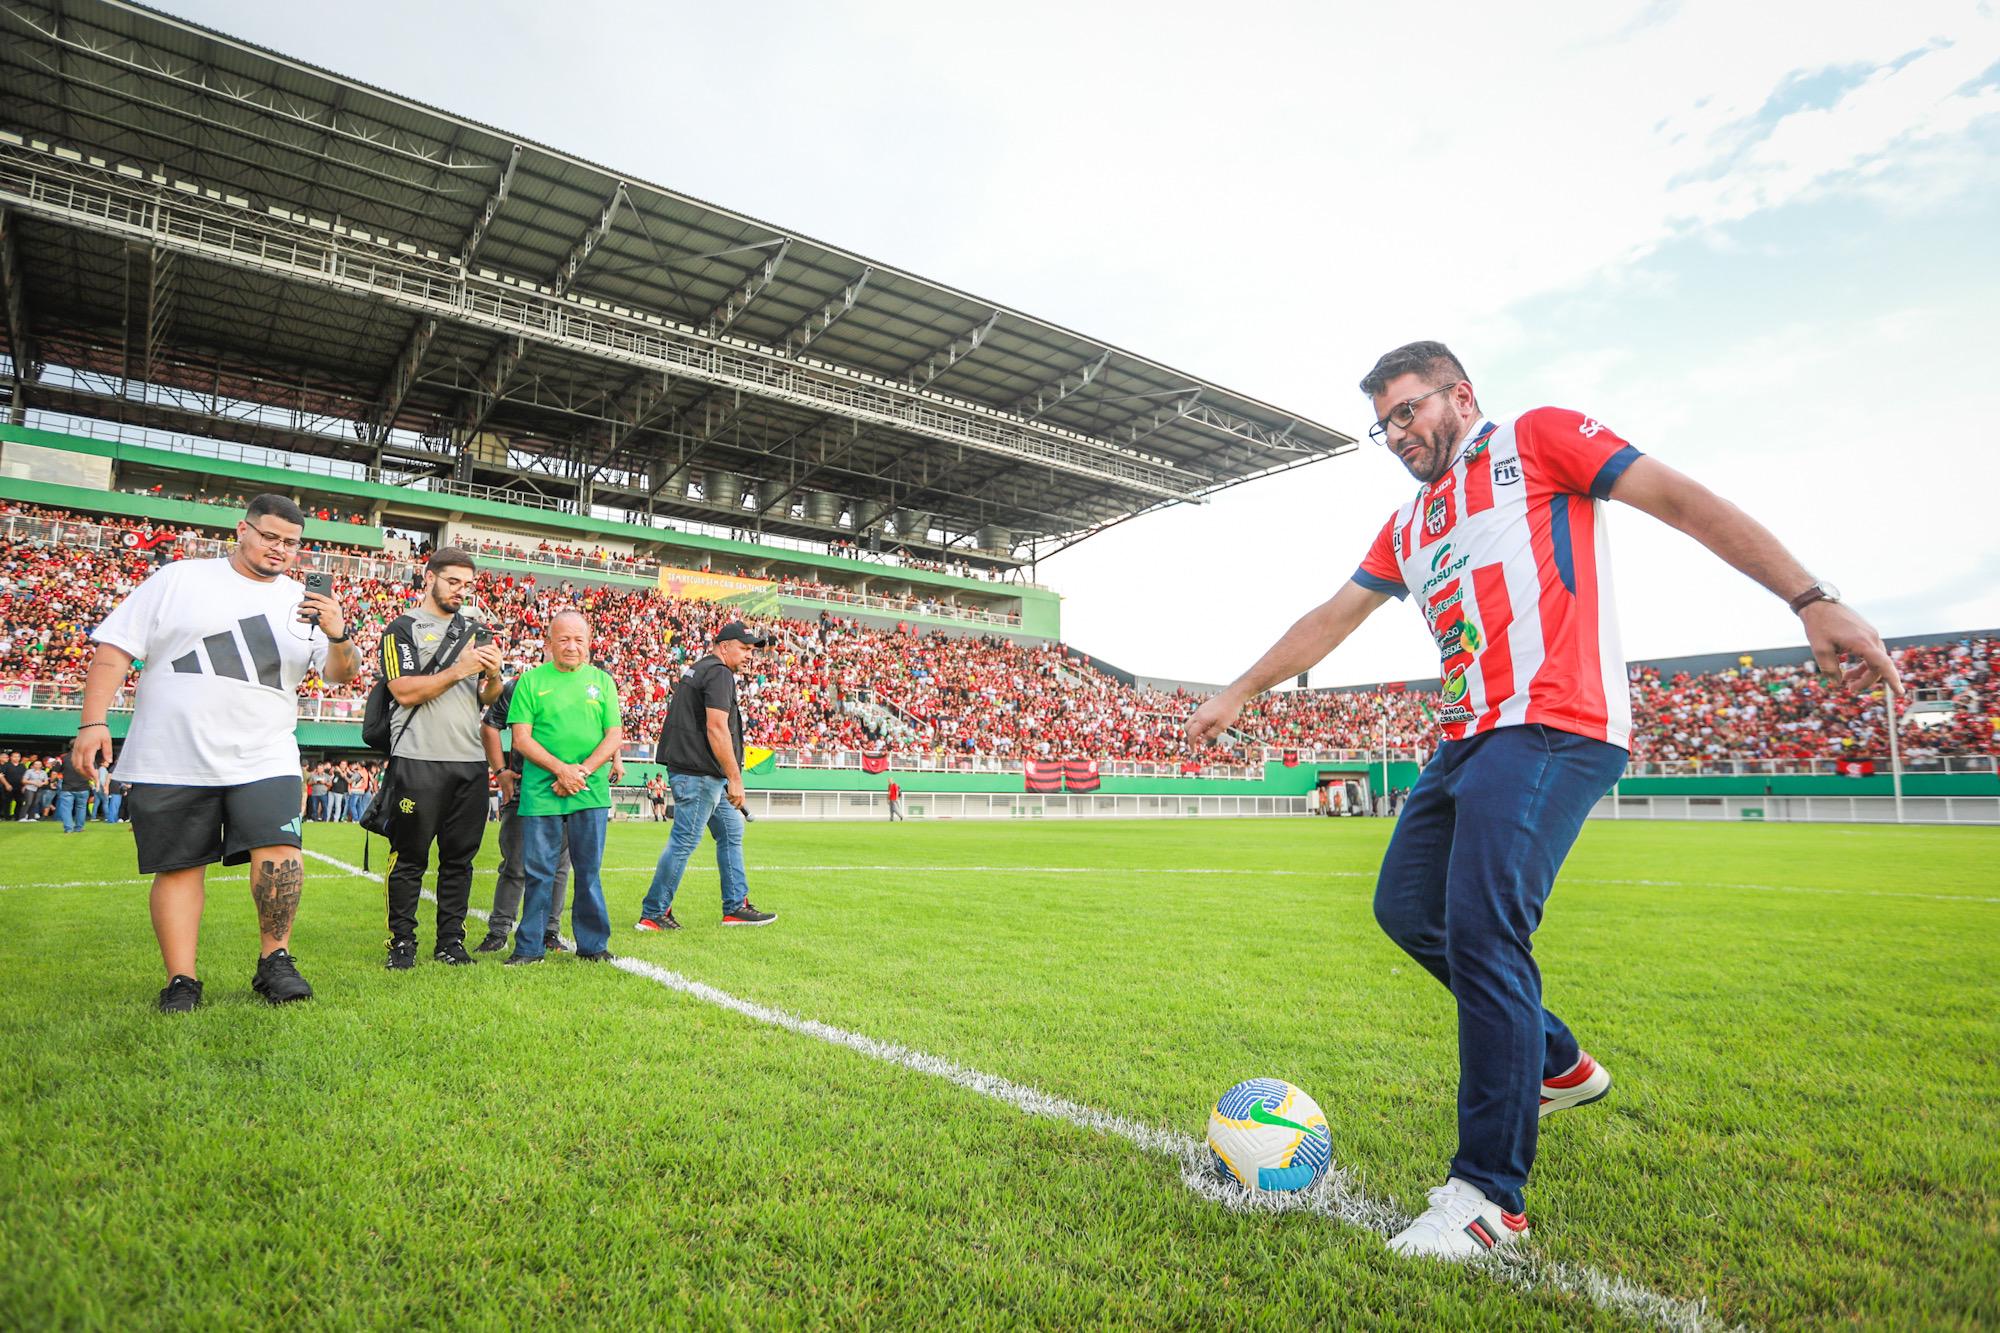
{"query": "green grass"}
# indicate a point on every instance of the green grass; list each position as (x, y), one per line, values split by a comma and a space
(1805, 1128)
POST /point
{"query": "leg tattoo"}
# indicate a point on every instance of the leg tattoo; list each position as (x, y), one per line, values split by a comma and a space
(276, 887)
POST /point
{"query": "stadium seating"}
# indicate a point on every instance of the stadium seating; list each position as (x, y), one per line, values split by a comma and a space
(834, 684)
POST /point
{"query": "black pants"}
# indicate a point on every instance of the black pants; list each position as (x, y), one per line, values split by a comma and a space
(446, 805)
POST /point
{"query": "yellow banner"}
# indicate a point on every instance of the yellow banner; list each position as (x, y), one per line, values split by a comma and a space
(704, 586)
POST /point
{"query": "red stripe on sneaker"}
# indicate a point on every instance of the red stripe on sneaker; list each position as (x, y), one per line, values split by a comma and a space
(1585, 1067)
(1515, 1221)
(1479, 1233)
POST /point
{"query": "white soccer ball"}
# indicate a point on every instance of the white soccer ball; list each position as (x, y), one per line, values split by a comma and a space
(1265, 1134)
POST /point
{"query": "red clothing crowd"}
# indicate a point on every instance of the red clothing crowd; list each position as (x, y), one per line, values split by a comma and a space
(832, 683)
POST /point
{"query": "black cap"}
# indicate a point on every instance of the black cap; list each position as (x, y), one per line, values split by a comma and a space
(742, 633)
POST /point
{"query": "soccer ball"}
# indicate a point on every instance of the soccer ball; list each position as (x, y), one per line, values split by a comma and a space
(1265, 1134)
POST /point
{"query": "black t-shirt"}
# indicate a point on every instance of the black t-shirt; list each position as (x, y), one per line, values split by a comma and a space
(338, 784)
(13, 773)
(71, 781)
(683, 744)
(496, 718)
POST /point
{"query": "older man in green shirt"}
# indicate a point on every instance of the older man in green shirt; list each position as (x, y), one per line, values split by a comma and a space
(567, 731)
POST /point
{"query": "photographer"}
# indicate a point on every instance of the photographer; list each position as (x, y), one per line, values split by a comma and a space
(441, 670)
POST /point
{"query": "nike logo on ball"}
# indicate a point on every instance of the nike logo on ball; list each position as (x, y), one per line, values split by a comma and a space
(1264, 1117)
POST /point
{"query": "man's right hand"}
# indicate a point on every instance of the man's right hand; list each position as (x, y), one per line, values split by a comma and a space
(485, 659)
(510, 786)
(91, 744)
(734, 793)
(1213, 718)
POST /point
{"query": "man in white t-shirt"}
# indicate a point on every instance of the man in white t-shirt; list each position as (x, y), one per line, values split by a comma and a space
(212, 755)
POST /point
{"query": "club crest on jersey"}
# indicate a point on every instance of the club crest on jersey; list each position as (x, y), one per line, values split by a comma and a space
(1437, 514)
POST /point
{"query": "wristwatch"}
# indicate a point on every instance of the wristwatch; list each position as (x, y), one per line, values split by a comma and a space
(1820, 591)
(340, 638)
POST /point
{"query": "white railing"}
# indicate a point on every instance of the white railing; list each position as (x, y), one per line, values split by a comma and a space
(1711, 768)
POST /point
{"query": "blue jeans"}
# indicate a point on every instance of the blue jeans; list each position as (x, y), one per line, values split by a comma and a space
(542, 843)
(358, 803)
(71, 807)
(698, 803)
(1462, 888)
(108, 811)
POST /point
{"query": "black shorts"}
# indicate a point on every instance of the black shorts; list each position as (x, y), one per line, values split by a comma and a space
(179, 827)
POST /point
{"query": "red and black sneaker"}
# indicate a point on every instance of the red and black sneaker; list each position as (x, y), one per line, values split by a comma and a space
(1586, 1082)
(653, 923)
(743, 914)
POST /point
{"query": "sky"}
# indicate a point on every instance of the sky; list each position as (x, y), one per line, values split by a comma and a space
(1756, 240)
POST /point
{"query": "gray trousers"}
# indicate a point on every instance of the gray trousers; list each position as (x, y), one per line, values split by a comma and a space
(513, 880)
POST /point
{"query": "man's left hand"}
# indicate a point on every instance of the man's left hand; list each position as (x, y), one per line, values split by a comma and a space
(327, 611)
(1836, 631)
(618, 770)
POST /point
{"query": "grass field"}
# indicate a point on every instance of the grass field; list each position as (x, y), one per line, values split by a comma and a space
(1805, 1128)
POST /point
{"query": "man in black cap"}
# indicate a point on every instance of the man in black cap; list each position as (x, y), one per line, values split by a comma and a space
(702, 747)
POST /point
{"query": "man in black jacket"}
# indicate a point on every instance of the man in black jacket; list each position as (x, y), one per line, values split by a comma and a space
(702, 747)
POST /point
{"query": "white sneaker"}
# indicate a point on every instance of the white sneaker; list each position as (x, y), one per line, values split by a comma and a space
(1584, 1083)
(1459, 1224)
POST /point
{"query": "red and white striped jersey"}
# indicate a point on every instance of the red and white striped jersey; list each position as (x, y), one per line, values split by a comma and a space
(1509, 558)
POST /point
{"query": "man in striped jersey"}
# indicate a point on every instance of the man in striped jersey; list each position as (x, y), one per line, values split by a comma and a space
(1504, 548)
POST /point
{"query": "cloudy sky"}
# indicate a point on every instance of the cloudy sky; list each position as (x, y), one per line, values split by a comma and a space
(1758, 240)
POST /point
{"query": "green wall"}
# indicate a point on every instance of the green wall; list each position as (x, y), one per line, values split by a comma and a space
(178, 513)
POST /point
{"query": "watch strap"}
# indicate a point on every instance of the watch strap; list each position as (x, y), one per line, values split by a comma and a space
(1816, 593)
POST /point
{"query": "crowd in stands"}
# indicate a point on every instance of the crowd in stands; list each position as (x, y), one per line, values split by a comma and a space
(832, 683)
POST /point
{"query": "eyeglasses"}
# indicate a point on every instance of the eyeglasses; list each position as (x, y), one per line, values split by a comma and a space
(282, 543)
(1404, 413)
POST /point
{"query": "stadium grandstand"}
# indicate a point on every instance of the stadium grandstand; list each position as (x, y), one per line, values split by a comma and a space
(227, 272)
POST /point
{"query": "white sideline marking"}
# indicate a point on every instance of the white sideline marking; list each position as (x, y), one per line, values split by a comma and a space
(1338, 1196)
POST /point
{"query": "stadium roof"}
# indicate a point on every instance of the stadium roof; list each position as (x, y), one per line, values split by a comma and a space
(200, 235)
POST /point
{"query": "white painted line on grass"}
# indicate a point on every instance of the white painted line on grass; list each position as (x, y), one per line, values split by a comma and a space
(1338, 1196)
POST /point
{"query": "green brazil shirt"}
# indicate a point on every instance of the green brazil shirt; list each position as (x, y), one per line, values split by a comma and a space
(569, 711)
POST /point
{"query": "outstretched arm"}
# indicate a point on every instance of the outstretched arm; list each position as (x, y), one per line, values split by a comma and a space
(1834, 630)
(1317, 633)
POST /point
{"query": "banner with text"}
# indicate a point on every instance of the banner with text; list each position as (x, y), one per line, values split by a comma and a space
(753, 597)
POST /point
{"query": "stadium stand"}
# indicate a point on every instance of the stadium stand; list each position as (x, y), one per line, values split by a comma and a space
(835, 684)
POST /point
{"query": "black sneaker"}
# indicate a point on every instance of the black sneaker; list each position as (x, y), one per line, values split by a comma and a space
(492, 944)
(553, 944)
(453, 953)
(181, 995)
(651, 924)
(522, 960)
(402, 955)
(746, 915)
(278, 980)
(601, 956)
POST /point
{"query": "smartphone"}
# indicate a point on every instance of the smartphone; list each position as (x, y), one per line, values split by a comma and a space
(321, 582)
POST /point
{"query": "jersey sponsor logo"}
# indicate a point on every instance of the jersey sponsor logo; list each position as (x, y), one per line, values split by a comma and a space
(1460, 635)
(1455, 713)
(1589, 428)
(1507, 473)
(1396, 540)
(1455, 686)
(1447, 573)
(1443, 604)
